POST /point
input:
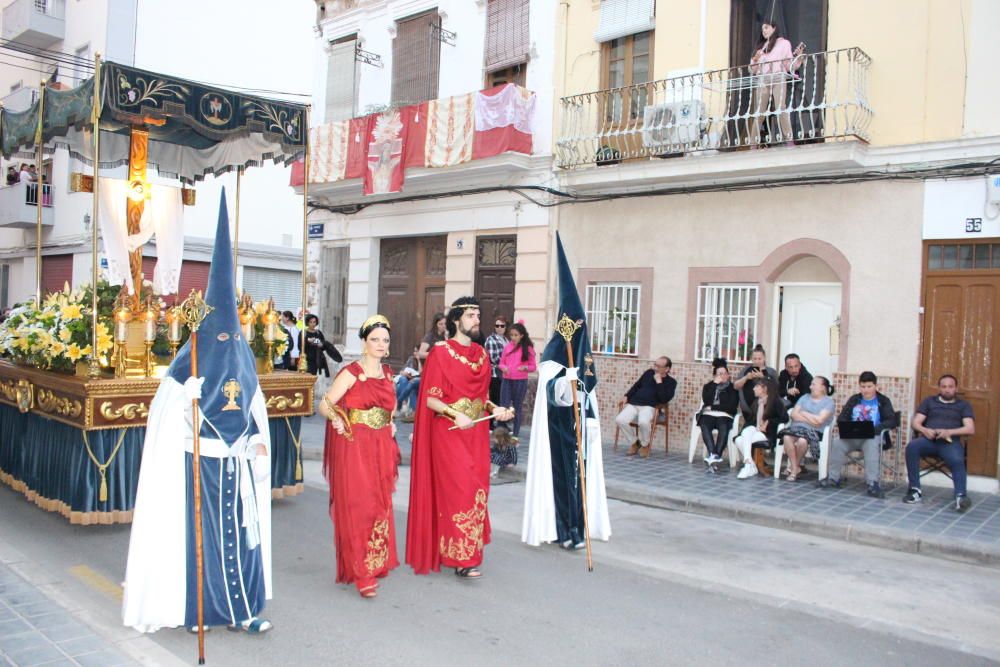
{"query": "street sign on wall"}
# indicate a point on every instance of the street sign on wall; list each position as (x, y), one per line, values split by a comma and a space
(315, 230)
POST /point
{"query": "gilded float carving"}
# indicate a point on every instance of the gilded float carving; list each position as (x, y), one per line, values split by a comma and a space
(49, 401)
(128, 411)
(281, 403)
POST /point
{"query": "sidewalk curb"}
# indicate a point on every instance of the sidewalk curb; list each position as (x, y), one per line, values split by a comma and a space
(885, 538)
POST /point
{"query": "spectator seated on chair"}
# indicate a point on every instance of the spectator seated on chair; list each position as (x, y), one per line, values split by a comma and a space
(942, 421)
(654, 387)
(768, 412)
(758, 369)
(812, 413)
(720, 401)
(408, 388)
(869, 405)
(794, 381)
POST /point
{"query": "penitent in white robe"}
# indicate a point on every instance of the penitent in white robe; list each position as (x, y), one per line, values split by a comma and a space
(156, 574)
(539, 523)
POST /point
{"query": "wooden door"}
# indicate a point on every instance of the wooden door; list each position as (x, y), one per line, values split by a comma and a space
(496, 257)
(960, 337)
(411, 289)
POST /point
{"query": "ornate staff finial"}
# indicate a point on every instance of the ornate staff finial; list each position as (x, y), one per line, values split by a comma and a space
(194, 310)
(566, 327)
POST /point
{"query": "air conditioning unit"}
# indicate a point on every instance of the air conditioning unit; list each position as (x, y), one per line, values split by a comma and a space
(674, 127)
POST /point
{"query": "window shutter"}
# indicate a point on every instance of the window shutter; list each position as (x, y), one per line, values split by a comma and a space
(333, 296)
(284, 286)
(416, 59)
(625, 17)
(57, 270)
(507, 37)
(341, 81)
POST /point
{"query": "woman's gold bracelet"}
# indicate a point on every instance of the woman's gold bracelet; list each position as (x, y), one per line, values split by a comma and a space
(330, 408)
(450, 413)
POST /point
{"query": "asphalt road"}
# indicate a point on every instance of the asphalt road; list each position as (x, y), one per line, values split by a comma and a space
(644, 604)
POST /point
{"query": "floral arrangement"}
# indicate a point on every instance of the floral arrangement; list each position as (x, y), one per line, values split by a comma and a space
(258, 345)
(58, 334)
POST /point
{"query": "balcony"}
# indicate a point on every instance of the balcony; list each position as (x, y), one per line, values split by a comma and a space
(19, 206)
(20, 100)
(36, 23)
(825, 99)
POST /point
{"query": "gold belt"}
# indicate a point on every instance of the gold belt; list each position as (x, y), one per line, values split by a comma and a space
(375, 418)
(473, 409)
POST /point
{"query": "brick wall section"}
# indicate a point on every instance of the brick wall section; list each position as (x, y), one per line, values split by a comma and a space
(616, 375)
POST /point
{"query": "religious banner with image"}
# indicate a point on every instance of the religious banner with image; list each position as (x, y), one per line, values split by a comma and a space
(385, 155)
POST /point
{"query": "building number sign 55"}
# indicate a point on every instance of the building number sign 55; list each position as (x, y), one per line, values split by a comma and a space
(973, 225)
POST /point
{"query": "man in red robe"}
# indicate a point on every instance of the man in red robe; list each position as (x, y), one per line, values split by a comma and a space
(448, 522)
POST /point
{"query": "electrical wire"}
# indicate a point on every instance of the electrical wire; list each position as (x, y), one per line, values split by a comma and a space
(561, 197)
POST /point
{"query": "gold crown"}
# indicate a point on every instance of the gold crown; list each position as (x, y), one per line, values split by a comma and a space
(376, 319)
(466, 306)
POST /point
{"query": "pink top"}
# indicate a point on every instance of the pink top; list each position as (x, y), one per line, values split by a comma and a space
(771, 63)
(510, 362)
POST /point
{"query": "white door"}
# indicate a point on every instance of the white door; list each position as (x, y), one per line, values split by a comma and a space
(807, 313)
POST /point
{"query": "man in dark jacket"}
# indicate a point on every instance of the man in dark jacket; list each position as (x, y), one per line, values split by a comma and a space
(793, 381)
(654, 387)
(870, 405)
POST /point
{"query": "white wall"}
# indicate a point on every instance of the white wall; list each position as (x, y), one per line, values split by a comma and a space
(982, 91)
(461, 65)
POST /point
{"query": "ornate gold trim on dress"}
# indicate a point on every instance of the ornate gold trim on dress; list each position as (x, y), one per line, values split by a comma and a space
(435, 391)
(378, 546)
(473, 409)
(376, 319)
(374, 418)
(474, 365)
(472, 525)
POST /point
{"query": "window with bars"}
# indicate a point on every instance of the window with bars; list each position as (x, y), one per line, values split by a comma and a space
(963, 256)
(727, 322)
(613, 316)
(507, 36)
(341, 79)
(416, 58)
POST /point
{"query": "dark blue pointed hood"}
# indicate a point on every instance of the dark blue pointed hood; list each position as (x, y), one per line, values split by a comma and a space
(571, 306)
(223, 354)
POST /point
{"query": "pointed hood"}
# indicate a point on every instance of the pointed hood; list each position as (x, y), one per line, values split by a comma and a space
(571, 306)
(223, 354)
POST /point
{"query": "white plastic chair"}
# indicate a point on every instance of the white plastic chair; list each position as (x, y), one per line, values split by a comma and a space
(696, 438)
(824, 452)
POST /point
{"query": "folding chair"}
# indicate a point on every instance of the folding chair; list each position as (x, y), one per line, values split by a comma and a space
(696, 438)
(857, 458)
(660, 416)
(934, 463)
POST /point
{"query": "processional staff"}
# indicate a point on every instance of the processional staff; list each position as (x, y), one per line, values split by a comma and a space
(567, 328)
(194, 310)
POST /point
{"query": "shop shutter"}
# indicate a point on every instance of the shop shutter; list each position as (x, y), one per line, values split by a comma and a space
(194, 275)
(285, 287)
(57, 270)
(507, 37)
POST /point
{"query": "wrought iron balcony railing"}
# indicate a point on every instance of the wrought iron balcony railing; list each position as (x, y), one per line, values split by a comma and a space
(815, 97)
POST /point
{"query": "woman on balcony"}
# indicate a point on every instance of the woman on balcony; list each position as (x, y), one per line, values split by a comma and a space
(811, 414)
(771, 62)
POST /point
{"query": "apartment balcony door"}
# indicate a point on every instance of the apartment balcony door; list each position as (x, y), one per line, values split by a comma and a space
(961, 336)
(800, 21)
(410, 290)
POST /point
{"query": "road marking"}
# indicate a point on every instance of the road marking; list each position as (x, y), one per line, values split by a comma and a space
(96, 581)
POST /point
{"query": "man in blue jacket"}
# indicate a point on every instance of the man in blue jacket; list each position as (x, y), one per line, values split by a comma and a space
(654, 387)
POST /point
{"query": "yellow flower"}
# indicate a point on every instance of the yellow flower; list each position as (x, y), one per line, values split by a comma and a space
(56, 348)
(73, 352)
(71, 311)
(65, 335)
(85, 351)
(23, 343)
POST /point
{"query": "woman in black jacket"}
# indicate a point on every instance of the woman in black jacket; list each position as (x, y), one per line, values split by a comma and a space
(317, 347)
(768, 412)
(719, 404)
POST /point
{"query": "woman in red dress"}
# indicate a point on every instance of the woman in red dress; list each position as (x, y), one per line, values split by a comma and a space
(360, 462)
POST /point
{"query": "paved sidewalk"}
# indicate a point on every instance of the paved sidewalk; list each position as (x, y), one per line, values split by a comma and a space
(670, 482)
(36, 630)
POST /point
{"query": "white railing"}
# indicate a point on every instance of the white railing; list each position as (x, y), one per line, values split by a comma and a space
(727, 322)
(613, 315)
(817, 97)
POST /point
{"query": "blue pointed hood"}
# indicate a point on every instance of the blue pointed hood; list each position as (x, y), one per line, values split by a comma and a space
(223, 354)
(571, 306)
